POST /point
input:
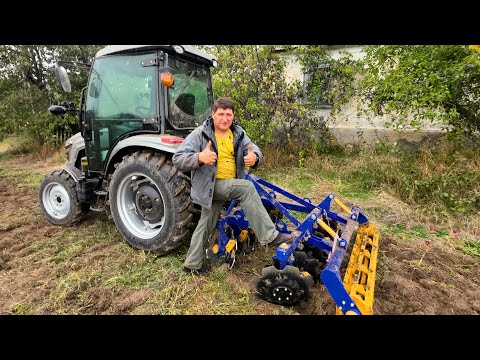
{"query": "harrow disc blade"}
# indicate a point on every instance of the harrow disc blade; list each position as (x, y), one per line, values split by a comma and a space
(284, 287)
(308, 263)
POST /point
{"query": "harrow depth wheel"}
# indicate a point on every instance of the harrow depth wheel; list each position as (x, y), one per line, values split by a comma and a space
(284, 287)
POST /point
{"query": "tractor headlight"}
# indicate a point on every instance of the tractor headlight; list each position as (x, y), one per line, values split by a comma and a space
(68, 146)
(178, 49)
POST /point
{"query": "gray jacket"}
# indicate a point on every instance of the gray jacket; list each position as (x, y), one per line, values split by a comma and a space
(204, 176)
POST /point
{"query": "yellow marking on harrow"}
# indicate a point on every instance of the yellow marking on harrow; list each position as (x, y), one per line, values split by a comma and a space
(359, 279)
(342, 205)
(326, 228)
(230, 245)
(243, 236)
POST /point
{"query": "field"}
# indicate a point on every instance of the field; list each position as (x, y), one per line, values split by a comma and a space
(427, 263)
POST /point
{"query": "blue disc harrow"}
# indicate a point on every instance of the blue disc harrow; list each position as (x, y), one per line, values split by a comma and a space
(338, 249)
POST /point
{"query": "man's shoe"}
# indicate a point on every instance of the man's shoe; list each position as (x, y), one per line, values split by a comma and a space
(282, 238)
(203, 269)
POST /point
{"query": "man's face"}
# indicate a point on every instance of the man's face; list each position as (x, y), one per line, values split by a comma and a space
(222, 119)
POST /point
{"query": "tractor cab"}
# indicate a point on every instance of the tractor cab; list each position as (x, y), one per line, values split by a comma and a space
(141, 89)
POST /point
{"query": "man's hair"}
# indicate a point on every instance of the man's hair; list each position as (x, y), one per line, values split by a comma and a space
(223, 103)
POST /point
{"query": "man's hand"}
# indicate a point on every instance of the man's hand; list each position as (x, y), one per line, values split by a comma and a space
(207, 156)
(251, 158)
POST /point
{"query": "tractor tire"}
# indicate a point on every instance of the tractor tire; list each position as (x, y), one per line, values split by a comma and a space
(58, 199)
(150, 202)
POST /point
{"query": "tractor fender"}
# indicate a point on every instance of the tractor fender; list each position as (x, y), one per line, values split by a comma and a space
(73, 146)
(84, 187)
(76, 174)
(146, 141)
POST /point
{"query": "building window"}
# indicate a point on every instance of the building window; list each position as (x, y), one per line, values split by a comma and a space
(316, 87)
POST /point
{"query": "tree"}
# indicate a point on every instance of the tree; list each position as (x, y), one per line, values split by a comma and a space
(28, 86)
(440, 84)
(253, 77)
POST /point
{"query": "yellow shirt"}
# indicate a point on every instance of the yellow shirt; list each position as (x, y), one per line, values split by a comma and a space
(226, 168)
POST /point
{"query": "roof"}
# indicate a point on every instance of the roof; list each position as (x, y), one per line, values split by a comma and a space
(112, 49)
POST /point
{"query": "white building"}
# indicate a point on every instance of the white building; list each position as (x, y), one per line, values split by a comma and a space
(349, 126)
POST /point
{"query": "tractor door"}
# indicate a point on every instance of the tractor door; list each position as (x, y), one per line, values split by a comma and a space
(121, 98)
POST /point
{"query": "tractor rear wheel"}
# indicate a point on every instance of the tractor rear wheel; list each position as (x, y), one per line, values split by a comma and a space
(58, 199)
(150, 202)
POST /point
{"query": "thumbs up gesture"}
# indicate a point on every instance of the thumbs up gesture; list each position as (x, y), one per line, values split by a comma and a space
(207, 156)
(251, 158)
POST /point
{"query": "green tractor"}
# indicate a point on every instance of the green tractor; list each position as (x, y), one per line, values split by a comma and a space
(140, 103)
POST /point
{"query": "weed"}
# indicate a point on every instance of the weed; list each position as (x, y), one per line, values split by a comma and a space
(21, 308)
(471, 248)
(407, 232)
(441, 232)
(419, 265)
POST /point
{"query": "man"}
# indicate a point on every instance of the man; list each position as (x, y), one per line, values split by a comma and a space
(214, 153)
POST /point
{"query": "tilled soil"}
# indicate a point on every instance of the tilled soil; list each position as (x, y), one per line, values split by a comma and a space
(418, 277)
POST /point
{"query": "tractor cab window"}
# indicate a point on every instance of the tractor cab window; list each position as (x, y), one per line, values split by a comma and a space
(121, 95)
(190, 98)
(122, 89)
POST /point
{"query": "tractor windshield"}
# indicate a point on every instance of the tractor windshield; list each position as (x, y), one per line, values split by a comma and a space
(190, 98)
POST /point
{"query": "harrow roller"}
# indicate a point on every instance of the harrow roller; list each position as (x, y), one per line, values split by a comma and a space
(359, 280)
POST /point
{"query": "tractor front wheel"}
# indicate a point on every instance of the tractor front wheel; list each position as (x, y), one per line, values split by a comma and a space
(58, 199)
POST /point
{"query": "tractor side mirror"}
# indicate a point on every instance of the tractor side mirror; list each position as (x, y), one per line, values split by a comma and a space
(62, 77)
(57, 110)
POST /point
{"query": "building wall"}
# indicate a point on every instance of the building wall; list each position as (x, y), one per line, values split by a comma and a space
(350, 127)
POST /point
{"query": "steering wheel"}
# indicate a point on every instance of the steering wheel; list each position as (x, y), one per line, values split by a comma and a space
(142, 110)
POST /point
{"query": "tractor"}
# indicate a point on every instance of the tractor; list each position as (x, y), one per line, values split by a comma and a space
(140, 102)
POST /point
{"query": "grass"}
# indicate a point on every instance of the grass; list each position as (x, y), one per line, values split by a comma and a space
(471, 248)
(7, 144)
(415, 231)
(419, 265)
(89, 269)
(24, 177)
(22, 308)
(87, 259)
(442, 176)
